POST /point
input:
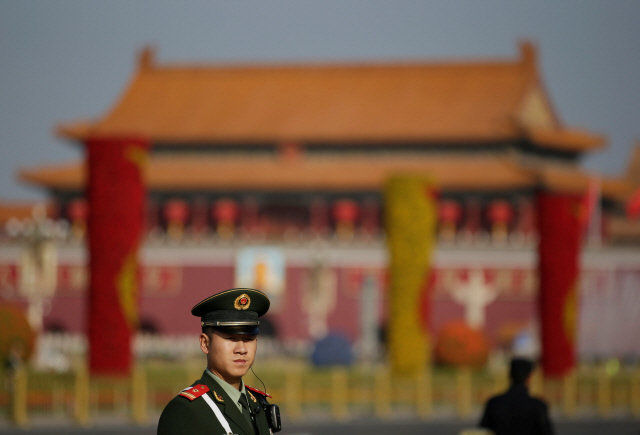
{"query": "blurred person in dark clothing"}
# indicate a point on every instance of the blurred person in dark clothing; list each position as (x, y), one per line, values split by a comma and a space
(515, 412)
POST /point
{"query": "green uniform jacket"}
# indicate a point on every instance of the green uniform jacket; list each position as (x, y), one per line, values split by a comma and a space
(182, 416)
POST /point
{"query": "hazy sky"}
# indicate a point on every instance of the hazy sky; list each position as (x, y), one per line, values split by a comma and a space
(64, 60)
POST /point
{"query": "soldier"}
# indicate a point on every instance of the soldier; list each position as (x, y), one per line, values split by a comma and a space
(220, 403)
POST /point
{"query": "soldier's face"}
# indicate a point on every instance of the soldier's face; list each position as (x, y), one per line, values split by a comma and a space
(230, 356)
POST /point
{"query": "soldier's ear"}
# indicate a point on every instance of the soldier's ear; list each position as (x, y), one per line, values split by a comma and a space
(204, 343)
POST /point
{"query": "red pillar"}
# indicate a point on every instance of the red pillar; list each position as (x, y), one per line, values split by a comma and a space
(116, 196)
(559, 252)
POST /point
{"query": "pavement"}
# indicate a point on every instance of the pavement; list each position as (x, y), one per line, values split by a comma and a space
(622, 426)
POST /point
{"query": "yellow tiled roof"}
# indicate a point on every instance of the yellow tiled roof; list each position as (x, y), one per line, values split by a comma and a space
(483, 172)
(447, 102)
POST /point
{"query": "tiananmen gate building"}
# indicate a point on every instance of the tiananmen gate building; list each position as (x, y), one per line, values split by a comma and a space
(271, 176)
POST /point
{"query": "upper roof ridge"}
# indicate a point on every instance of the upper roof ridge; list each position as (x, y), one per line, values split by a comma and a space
(528, 54)
(147, 58)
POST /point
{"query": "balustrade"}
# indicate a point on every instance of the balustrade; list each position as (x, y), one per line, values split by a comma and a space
(305, 392)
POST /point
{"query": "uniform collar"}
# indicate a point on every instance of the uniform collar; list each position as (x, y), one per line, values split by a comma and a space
(231, 391)
(222, 400)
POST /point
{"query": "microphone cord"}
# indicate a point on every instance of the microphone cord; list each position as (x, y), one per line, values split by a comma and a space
(257, 408)
(263, 386)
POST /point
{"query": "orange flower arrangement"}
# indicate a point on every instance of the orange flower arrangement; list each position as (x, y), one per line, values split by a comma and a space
(460, 345)
(16, 335)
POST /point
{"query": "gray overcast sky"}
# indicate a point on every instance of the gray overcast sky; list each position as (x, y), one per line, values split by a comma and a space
(69, 59)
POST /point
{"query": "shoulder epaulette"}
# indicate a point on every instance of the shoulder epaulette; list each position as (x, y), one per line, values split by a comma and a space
(194, 392)
(255, 390)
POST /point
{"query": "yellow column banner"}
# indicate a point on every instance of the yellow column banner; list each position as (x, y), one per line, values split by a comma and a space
(410, 223)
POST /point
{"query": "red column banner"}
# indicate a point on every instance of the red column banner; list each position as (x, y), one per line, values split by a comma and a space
(116, 196)
(559, 251)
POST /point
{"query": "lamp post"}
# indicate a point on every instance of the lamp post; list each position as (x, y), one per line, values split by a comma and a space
(38, 263)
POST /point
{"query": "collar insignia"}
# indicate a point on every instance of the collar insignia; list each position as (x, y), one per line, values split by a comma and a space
(218, 397)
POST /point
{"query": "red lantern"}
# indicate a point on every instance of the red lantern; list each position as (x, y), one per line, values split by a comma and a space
(500, 214)
(78, 212)
(176, 212)
(345, 213)
(345, 210)
(449, 212)
(225, 212)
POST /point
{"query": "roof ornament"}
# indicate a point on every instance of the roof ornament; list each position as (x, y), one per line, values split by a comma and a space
(146, 58)
(529, 54)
